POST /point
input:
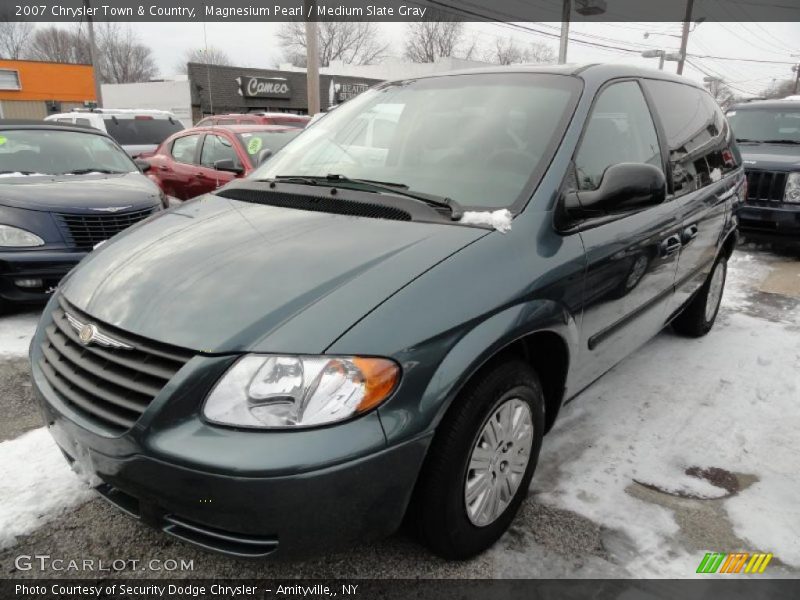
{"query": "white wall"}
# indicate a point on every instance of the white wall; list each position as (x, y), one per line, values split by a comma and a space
(173, 96)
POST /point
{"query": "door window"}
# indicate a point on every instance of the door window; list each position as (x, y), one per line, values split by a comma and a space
(183, 148)
(216, 148)
(620, 130)
(697, 135)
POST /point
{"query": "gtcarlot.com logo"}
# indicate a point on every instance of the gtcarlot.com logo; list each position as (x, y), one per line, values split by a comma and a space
(737, 562)
(45, 562)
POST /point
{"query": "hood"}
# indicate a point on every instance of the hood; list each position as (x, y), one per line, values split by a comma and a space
(220, 275)
(771, 157)
(79, 193)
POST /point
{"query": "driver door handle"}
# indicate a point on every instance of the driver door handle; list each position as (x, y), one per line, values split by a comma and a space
(689, 234)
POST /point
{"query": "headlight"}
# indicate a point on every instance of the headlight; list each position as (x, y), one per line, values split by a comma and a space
(18, 238)
(299, 391)
(792, 192)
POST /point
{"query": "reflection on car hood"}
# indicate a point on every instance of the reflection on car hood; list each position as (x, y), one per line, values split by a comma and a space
(79, 193)
(221, 275)
(778, 157)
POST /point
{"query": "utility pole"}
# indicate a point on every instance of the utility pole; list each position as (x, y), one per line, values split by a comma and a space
(687, 20)
(98, 94)
(796, 70)
(566, 9)
(312, 60)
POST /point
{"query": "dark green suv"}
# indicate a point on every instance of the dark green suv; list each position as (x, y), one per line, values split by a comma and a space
(383, 320)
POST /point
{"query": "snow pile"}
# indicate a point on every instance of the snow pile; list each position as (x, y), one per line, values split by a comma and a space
(728, 400)
(36, 484)
(18, 174)
(16, 332)
(499, 219)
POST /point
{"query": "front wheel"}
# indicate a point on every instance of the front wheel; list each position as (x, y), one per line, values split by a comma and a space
(481, 461)
(698, 317)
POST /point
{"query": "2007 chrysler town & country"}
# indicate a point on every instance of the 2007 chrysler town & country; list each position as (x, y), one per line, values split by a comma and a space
(335, 344)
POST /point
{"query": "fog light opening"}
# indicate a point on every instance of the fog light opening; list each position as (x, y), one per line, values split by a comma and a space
(29, 283)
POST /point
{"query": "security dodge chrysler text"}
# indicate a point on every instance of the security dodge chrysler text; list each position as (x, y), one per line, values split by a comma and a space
(382, 321)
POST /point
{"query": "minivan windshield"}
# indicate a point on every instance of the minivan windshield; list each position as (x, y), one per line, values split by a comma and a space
(53, 152)
(776, 125)
(482, 140)
(141, 130)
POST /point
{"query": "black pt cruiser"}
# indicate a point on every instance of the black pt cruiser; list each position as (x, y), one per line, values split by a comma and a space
(379, 328)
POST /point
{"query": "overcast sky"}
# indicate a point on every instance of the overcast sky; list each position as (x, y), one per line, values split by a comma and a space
(255, 44)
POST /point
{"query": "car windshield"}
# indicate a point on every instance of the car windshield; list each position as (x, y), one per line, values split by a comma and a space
(482, 140)
(141, 130)
(766, 124)
(54, 152)
(256, 141)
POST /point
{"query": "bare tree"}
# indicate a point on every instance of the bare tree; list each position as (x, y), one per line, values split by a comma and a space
(350, 42)
(15, 36)
(206, 56)
(507, 51)
(56, 44)
(427, 41)
(123, 59)
(720, 91)
(780, 89)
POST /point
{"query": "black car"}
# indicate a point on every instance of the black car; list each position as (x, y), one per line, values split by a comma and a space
(63, 190)
(335, 344)
(768, 134)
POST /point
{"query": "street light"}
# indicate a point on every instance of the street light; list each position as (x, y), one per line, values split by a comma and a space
(662, 55)
(587, 8)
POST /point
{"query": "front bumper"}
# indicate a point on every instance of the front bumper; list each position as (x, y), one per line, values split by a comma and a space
(770, 224)
(49, 266)
(242, 493)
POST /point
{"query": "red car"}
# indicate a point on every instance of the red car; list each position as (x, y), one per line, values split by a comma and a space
(199, 160)
(257, 118)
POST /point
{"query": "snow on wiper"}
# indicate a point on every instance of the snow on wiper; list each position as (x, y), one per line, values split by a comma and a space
(18, 173)
(87, 171)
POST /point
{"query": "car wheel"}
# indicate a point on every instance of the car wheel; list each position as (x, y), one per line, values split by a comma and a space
(699, 315)
(480, 462)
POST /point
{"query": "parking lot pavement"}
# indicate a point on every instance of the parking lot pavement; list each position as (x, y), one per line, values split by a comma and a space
(686, 447)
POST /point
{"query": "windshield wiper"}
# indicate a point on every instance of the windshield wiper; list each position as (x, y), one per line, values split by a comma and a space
(747, 141)
(781, 142)
(87, 171)
(399, 189)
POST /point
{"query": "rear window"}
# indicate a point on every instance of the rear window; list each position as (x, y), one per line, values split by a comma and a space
(288, 122)
(132, 131)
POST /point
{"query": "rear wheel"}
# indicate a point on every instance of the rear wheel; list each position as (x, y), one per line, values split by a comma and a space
(481, 461)
(698, 317)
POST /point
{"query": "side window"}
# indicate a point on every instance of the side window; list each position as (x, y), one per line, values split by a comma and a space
(183, 148)
(620, 130)
(80, 121)
(697, 135)
(216, 148)
(226, 122)
(64, 120)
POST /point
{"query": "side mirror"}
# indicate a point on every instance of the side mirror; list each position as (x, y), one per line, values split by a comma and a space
(228, 165)
(262, 156)
(143, 165)
(624, 187)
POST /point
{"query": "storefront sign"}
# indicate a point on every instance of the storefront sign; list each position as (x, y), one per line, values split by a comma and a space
(345, 91)
(264, 87)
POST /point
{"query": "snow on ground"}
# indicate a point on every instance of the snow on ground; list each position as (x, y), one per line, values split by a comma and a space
(16, 332)
(36, 484)
(728, 400)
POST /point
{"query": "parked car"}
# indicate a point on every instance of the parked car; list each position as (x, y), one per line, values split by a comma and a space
(137, 131)
(313, 354)
(63, 190)
(768, 133)
(256, 118)
(199, 160)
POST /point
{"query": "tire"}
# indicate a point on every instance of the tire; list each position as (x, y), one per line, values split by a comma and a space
(694, 320)
(439, 509)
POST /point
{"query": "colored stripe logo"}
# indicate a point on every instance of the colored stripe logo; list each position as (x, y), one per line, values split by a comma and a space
(737, 562)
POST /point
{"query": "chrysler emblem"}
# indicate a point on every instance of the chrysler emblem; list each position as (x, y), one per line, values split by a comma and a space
(112, 209)
(87, 333)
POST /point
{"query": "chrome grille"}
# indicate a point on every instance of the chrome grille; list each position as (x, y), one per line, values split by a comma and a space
(765, 186)
(85, 230)
(111, 386)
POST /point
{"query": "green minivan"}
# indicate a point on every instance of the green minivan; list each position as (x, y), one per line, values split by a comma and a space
(371, 330)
